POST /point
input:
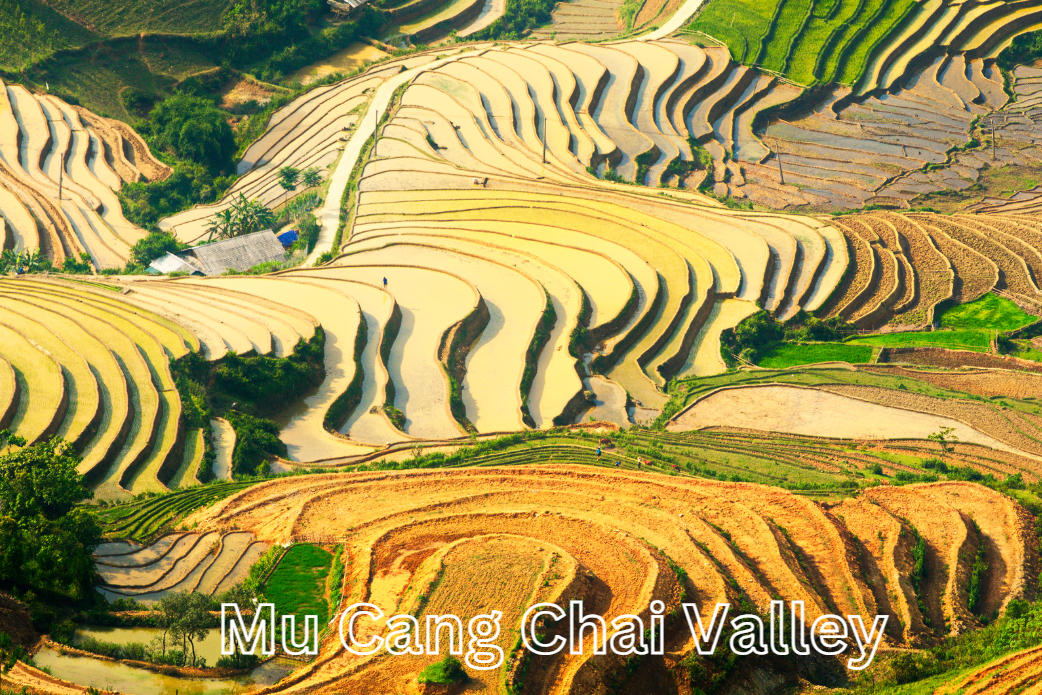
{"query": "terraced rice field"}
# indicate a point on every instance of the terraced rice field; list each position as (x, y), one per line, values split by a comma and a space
(866, 45)
(93, 367)
(602, 522)
(1020, 672)
(201, 563)
(41, 135)
(818, 413)
(459, 304)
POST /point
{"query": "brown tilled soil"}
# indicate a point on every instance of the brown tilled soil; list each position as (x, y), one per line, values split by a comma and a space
(953, 359)
(616, 528)
(980, 382)
(660, 9)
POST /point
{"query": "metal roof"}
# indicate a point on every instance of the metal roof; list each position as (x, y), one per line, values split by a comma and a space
(169, 263)
(239, 253)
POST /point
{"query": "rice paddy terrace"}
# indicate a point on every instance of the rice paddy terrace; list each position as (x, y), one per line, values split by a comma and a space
(618, 540)
(471, 292)
(519, 236)
(48, 146)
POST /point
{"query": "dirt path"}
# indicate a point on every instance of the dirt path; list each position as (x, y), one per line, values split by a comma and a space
(224, 444)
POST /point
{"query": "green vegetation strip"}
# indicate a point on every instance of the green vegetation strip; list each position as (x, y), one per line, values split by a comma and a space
(795, 354)
(298, 584)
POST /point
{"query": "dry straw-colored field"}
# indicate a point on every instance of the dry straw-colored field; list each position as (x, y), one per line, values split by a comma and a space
(617, 540)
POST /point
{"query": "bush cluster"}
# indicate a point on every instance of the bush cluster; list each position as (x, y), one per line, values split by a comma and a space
(758, 333)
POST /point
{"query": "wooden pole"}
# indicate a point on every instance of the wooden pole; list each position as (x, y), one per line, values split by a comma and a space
(544, 139)
(781, 173)
(61, 177)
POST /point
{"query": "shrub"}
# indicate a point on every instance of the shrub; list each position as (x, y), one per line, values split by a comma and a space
(519, 17)
(908, 667)
(145, 204)
(256, 440)
(271, 383)
(154, 245)
(449, 670)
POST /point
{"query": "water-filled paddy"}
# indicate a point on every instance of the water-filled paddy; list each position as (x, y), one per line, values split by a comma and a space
(112, 675)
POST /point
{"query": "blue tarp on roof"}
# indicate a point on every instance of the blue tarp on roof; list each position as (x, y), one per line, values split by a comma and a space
(287, 238)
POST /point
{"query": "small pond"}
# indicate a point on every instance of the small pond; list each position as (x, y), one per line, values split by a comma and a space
(111, 675)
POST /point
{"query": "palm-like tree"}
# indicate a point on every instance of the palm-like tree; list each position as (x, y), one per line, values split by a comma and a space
(251, 216)
(222, 224)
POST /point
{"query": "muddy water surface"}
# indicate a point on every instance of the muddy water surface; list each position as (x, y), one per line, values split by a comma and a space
(112, 675)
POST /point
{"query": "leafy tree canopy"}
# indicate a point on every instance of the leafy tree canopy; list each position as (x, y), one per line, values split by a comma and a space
(520, 16)
(41, 480)
(145, 204)
(193, 128)
(46, 542)
(154, 245)
(256, 440)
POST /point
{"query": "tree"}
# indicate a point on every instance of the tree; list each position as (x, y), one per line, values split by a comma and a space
(222, 224)
(208, 140)
(46, 542)
(41, 480)
(81, 267)
(9, 652)
(251, 216)
(23, 261)
(946, 438)
(195, 129)
(152, 246)
(288, 177)
(6, 438)
(185, 618)
(311, 177)
(193, 622)
(256, 440)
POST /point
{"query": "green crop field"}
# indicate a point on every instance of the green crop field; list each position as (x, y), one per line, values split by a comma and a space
(298, 584)
(975, 340)
(123, 17)
(810, 41)
(32, 31)
(794, 354)
(990, 312)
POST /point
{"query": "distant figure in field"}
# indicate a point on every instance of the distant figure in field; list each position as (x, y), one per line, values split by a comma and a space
(598, 452)
(385, 282)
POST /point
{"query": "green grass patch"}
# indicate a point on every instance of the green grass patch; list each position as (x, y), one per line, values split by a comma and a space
(448, 670)
(124, 17)
(977, 341)
(298, 584)
(738, 23)
(32, 31)
(1026, 350)
(794, 354)
(990, 312)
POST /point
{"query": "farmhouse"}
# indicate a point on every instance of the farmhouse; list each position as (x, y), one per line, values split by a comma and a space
(238, 254)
